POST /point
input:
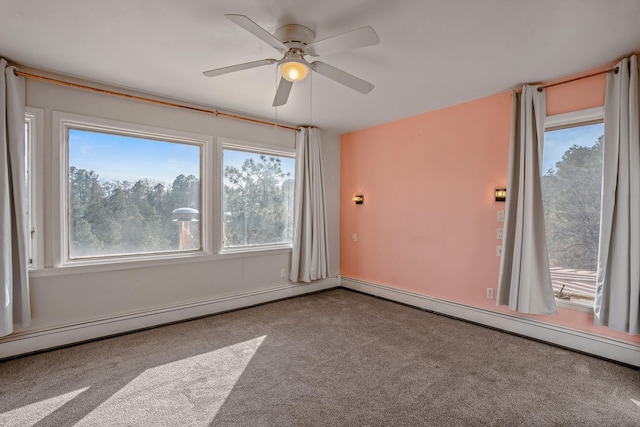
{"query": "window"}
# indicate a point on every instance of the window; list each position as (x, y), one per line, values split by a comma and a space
(28, 149)
(257, 199)
(33, 121)
(571, 190)
(129, 192)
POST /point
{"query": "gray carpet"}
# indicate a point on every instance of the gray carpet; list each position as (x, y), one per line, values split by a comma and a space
(335, 358)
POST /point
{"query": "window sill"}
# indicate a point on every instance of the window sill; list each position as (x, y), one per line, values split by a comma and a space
(98, 266)
(585, 306)
(258, 249)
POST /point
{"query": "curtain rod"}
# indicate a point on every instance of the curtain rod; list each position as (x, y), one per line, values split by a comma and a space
(615, 70)
(153, 101)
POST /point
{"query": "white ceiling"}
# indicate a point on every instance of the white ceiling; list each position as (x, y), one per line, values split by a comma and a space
(432, 54)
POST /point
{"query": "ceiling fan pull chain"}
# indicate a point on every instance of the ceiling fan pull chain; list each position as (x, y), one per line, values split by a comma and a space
(275, 120)
(310, 100)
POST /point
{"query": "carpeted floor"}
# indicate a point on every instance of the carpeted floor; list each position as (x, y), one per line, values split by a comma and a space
(335, 358)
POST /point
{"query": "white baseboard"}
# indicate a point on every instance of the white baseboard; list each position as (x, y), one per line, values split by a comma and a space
(608, 348)
(32, 341)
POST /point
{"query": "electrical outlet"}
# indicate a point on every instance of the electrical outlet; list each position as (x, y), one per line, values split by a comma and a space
(283, 272)
(500, 216)
(489, 293)
(500, 233)
(354, 237)
(499, 250)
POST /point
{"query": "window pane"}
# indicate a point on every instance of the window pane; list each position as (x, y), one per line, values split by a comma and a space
(258, 198)
(28, 184)
(124, 192)
(571, 188)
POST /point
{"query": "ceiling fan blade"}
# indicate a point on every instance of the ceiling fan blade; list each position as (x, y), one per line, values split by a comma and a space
(232, 68)
(365, 36)
(282, 94)
(342, 77)
(258, 31)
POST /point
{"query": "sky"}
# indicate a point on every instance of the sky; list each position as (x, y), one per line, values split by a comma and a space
(124, 158)
(557, 142)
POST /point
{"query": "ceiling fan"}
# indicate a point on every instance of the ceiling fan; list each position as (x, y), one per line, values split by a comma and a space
(295, 42)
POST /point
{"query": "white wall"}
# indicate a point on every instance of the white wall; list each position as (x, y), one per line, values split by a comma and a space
(69, 296)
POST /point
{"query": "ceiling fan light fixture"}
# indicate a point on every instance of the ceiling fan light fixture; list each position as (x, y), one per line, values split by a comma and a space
(293, 69)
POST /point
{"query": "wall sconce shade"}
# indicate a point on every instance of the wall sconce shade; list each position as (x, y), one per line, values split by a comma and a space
(501, 194)
(359, 199)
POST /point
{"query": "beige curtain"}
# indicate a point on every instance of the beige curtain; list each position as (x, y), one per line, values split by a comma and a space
(14, 228)
(525, 281)
(310, 254)
(617, 300)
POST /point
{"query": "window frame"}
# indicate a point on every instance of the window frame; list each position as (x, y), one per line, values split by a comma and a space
(255, 148)
(62, 122)
(34, 119)
(564, 121)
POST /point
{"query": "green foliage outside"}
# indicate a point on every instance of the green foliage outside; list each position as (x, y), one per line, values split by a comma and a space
(258, 203)
(121, 217)
(571, 196)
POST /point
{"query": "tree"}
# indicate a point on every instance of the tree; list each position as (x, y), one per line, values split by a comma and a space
(571, 196)
(254, 202)
(85, 196)
(185, 192)
(120, 217)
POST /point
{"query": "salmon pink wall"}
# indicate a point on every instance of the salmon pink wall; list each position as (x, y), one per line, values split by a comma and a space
(428, 222)
(578, 95)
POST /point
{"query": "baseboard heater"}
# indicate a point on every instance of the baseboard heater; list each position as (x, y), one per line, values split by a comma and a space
(22, 343)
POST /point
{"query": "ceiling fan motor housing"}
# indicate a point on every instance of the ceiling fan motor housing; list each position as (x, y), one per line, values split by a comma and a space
(295, 36)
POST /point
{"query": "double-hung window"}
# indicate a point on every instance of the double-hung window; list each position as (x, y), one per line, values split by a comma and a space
(571, 191)
(257, 196)
(128, 191)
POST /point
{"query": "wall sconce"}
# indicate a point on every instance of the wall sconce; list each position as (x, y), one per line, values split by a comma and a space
(501, 194)
(359, 199)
